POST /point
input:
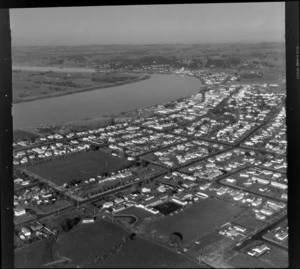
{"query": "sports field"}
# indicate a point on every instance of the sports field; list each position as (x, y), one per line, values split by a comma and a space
(85, 242)
(80, 166)
(198, 219)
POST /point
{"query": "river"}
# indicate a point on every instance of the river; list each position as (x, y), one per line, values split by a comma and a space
(158, 89)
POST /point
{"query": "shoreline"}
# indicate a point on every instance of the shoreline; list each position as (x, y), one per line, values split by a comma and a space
(141, 78)
(98, 121)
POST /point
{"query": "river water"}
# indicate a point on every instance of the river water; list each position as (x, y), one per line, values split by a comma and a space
(158, 89)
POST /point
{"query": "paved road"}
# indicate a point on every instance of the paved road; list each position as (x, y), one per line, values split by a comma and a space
(258, 236)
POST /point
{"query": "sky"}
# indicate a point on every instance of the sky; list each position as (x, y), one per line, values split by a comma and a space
(149, 24)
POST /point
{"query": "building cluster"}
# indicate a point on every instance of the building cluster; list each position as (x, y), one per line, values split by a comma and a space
(261, 181)
(183, 153)
(214, 166)
(144, 144)
(33, 232)
(100, 185)
(33, 198)
(247, 108)
(216, 78)
(279, 234)
(272, 136)
(21, 181)
(233, 231)
(185, 111)
(259, 250)
(49, 151)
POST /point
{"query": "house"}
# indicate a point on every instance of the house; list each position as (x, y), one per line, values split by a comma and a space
(108, 204)
(152, 210)
(231, 180)
(221, 191)
(260, 180)
(19, 211)
(118, 208)
(279, 185)
(202, 195)
(276, 205)
(284, 196)
(282, 235)
(18, 180)
(204, 187)
(261, 249)
(161, 188)
(238, 197)
(188, 184)
(176, 200)
(232, 233)
(36, 227)
(257, 202)
(26, 231)
(152, 202)
(119, 200)
(260, 216)
(240, 228)
(266, 212)
(146, 190)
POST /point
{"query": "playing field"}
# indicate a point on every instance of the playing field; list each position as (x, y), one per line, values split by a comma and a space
(198, 219)
(84, 243)
(80, 166)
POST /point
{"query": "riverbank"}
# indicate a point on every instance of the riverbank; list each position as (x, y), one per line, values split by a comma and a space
(32, 132)
(46, 96)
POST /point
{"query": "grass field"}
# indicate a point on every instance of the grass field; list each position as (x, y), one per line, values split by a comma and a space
(34, 255)
(140, 213)
(82, 244)
(28, 85)
(198, 219)
(19, 135)
(276, 258)
(80, 166)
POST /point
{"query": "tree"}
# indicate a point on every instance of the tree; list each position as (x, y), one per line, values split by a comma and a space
(176, 239)
(169, 192)
(94, 147)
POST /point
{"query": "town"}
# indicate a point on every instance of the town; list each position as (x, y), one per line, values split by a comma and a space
(204, 176)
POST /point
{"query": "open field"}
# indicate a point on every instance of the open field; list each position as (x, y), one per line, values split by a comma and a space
(201, 218)
(46, 209)
(271, 75)
(85, 55)
(28, 85)
(23, 218)
(275, 258)
(19, 135)
(80, 166)
(249, 220)
(144, 254)
(140, 213)
(84, 243)
(34, 255)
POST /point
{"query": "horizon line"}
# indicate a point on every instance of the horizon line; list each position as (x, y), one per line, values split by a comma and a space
(151, 44)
